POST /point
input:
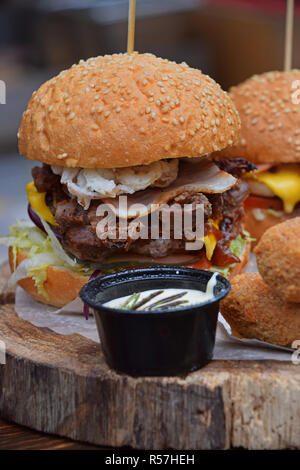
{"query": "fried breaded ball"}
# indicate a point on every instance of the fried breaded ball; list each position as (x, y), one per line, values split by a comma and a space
(278, 259)
(253, 310)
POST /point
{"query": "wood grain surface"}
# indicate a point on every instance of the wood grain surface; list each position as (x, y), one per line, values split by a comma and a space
(61, 385)
(15, 437)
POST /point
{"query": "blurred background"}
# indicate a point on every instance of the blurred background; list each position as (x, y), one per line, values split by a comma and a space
(227, 39)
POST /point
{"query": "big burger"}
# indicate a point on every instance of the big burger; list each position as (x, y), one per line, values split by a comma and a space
(125, 125)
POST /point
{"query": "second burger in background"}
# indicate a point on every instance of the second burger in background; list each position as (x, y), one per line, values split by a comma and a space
(270, 138)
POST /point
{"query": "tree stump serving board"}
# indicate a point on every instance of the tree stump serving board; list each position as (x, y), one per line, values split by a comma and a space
(60, 384)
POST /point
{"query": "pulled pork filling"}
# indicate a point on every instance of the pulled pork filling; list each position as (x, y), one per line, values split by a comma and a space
(77, 226)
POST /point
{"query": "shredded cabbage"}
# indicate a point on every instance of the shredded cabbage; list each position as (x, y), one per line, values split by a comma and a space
(42, 251)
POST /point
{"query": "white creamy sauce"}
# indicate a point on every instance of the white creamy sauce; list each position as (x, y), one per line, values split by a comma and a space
(190, 297)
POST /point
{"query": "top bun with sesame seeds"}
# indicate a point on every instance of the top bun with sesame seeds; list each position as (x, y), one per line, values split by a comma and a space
(124, 110)
(269, 109)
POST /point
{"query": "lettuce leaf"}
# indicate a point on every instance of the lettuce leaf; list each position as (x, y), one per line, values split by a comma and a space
(42, 251)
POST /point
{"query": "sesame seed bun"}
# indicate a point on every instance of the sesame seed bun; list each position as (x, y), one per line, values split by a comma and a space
(270, 119)
(124, 110)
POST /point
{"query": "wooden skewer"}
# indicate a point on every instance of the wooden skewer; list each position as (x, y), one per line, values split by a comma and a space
(131, 27)
(289, 23)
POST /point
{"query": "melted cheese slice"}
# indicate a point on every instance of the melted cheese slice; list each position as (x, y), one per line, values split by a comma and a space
(38, 203)
(285, 184)
(210, 242)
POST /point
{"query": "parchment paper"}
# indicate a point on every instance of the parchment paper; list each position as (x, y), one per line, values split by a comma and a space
(70, 320)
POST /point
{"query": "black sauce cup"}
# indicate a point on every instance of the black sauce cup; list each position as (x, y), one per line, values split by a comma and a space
(169, 342)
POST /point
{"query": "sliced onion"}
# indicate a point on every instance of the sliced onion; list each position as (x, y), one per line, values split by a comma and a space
(35, 218)
(38, 223)
(86, 309)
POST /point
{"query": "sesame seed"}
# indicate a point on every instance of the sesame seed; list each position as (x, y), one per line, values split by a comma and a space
(100, 109)
(243, 142)
(153, 115)
(118, 109)
(181, 119)
(71, 115)
(148, 110)
(62, 156)
(50, 108)
(106, 114)
(174, 121)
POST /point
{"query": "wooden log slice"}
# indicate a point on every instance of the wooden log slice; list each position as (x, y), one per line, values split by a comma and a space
(60, 384)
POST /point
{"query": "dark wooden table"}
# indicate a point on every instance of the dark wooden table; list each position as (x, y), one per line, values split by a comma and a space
(14, 437)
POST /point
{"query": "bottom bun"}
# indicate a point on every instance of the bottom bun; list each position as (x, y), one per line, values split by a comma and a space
(61, 285)
(257, 221)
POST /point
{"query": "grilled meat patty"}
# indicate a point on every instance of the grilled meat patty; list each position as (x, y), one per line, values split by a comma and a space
(77, 226)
